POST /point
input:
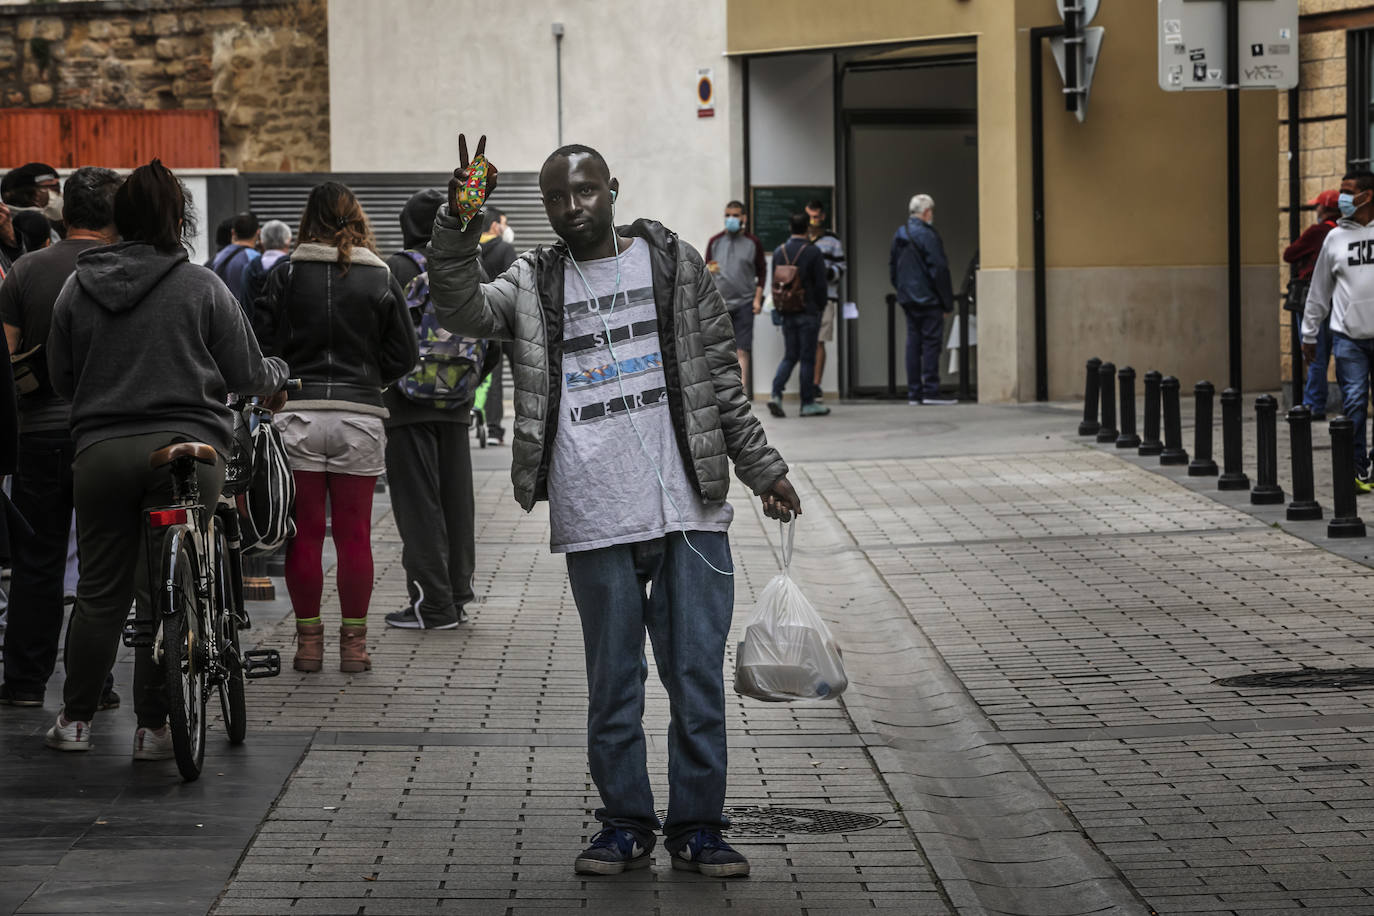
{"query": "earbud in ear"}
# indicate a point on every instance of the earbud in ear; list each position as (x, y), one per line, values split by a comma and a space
(613, 193)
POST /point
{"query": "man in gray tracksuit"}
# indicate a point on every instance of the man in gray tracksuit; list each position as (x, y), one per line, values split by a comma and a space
(1343, 287)
(628, 413)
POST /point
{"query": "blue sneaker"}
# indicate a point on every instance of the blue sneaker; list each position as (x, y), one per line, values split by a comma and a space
(707, 853)
(612, 852)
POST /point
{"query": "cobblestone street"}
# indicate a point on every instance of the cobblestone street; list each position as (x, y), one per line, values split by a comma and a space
(1032, 627)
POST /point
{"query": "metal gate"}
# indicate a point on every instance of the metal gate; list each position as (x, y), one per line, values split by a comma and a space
(282, 195)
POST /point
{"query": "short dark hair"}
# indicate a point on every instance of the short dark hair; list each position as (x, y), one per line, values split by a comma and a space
(245, 226)
(33, 228)
(150, 204)
(88, 198)
(224, 232)
(799, 223)
(1363, 178)
(493, 217)
(577, 149)
(816, 204)
(739, 204)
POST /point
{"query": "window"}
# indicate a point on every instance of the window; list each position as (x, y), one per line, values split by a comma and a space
(1359, 100)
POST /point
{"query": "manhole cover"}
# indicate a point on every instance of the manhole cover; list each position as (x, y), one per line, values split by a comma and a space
(1337, 678)
(754, 821)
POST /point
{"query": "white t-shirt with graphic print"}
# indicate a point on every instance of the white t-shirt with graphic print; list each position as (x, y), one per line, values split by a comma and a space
(602, 487)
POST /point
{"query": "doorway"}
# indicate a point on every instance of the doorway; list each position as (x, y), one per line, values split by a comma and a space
(910, 126)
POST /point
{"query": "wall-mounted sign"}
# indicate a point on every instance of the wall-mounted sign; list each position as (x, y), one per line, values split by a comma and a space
(706, 93)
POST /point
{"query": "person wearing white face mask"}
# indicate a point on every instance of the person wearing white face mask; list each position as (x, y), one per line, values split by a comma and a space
(739, 268)
(34, 186)
(1343, 288)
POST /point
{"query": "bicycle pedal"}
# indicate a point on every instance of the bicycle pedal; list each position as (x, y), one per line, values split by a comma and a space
(138, 637)
(243, 621)
(261, 663)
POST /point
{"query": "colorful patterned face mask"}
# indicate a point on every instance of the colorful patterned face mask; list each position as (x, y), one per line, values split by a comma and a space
(474, 193)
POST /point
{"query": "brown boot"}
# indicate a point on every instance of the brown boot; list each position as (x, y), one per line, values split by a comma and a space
(309, 647)
(353, 650)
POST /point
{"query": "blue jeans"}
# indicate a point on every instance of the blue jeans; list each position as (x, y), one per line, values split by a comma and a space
(1354, 359)
(925, 331)
(799, 333)
(1314, 393)
(687, 615)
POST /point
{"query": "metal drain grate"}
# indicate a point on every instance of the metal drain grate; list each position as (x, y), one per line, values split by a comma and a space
(754, 821)
(1327, 678)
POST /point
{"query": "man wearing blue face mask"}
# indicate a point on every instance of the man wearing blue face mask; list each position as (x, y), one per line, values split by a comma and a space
(736, 262)
(1343, 287)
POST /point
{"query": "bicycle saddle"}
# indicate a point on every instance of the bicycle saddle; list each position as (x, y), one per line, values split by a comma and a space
(201, 452)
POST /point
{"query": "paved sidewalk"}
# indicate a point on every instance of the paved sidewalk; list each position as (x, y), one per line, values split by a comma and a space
(1032, 626)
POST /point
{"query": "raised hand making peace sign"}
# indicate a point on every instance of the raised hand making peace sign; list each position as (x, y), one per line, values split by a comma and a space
(472, 182)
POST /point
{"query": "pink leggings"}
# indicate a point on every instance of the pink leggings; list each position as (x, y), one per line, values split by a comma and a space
(350, 504)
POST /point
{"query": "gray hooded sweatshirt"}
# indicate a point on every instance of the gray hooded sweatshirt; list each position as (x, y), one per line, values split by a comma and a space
(143, 341)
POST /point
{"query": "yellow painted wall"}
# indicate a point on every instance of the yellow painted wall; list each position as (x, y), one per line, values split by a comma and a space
(1140, 183)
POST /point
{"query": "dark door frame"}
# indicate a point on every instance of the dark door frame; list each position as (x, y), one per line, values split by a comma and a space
(889, 117)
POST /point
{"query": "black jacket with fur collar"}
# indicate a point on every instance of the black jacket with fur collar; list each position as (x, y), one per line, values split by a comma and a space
(345, 334)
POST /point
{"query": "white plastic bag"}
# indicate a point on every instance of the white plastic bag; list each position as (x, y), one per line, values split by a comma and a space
(788, 653)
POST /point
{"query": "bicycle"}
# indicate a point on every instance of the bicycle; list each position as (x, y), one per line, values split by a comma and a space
(196, 612)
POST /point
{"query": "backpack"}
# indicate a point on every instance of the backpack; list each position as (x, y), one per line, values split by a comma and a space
(450, 367)
(789, 297)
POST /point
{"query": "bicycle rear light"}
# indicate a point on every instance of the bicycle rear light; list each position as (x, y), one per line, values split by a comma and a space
(165, 518)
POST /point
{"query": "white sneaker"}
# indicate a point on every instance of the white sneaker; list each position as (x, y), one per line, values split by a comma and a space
(153, 744)
(69, 736)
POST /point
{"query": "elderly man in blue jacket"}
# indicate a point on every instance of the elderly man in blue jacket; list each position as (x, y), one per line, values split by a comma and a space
(920, 274)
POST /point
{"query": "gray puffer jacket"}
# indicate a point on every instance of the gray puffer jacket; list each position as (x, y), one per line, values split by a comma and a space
(706, 401)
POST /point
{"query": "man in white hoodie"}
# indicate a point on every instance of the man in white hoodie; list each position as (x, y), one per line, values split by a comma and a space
(1343, 286)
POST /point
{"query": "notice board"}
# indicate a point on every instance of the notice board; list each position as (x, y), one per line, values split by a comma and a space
(770, 208)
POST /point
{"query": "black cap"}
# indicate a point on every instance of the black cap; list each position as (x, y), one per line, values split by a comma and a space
(27, 176)
(417, 217)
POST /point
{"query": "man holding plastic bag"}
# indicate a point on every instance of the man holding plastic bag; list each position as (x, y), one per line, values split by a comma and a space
(629, 412)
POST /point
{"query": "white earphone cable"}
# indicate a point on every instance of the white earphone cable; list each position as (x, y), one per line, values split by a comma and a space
(620, 379)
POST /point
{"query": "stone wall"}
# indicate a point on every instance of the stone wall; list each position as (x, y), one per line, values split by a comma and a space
(262, 64)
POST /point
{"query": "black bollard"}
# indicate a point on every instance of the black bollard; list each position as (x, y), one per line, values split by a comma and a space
(1106, 431)
(1128, 437)
(1090, 426)
(1202, 464)
(1345, 523)
(1267, 491)
(1304, 507)
(1151, 445)
(1232, 445)
(1173, 452)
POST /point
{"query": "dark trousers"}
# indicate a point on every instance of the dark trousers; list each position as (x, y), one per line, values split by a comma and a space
(799, 333)
(112, 486)
(429, 470)
(42, 491)
(925, 331)
(496, 412)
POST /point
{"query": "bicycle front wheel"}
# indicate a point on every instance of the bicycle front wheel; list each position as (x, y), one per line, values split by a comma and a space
(183, 658)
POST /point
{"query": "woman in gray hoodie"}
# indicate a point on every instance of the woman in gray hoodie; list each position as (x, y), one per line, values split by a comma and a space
(147, 347)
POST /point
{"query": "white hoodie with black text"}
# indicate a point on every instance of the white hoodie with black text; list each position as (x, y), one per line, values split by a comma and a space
(1343, 284)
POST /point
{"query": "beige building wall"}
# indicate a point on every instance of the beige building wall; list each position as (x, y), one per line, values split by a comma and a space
(407, 76)
(1135, 195)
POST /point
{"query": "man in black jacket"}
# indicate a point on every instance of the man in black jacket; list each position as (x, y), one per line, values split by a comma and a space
(919, 272)
(429, 469)
(800, 330)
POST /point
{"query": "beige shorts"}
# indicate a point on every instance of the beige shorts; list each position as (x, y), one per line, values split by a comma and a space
(336, 441)
(827, 333)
